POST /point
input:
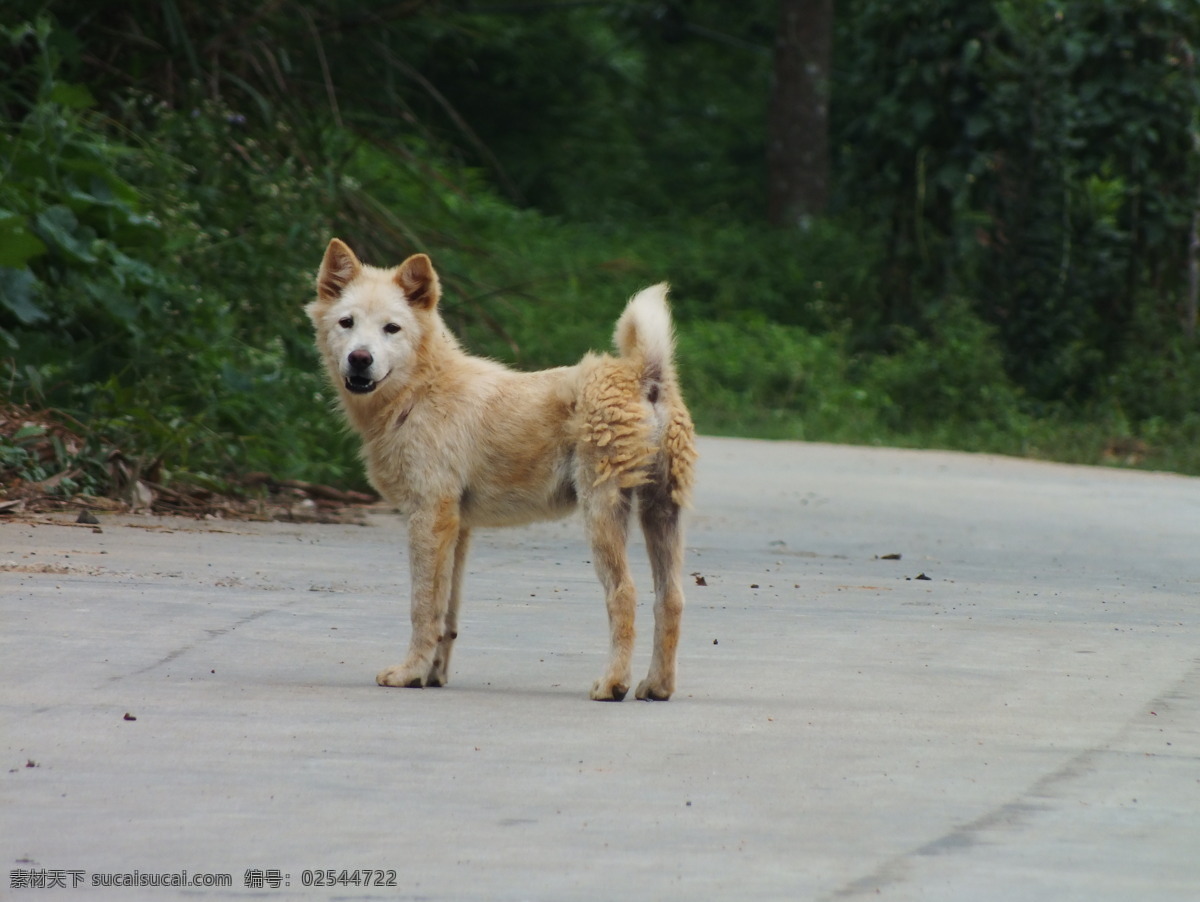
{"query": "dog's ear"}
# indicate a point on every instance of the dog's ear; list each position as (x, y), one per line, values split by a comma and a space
(338, 269)
(419, 282)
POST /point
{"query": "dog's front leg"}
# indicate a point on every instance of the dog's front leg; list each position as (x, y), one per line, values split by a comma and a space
(439, 674)
(433, 536)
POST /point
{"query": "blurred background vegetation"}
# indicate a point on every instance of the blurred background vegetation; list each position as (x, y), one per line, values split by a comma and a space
(995, 248)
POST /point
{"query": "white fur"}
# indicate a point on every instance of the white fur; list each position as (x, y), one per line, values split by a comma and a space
(645, 326)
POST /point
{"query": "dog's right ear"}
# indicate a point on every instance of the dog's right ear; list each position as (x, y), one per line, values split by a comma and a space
(338, 269)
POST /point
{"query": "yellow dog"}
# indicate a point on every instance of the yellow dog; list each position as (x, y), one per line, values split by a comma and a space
(457, 441)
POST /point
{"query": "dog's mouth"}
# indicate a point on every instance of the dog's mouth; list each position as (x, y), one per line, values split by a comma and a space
(360, 385)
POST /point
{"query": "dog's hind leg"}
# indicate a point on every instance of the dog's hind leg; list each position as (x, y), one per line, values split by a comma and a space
(606, 511)
(439, 674)
(659, 515)
(433, 536)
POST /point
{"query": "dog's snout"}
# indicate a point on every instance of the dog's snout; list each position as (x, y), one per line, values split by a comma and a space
(359, 373)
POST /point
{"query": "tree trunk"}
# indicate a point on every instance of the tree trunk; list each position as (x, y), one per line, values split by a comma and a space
(798, 130)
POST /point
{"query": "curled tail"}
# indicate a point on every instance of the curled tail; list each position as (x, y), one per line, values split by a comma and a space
(645, 336)
(644, 330)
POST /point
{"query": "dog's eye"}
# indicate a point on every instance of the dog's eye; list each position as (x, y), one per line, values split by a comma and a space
(391, 328)
(346, 322)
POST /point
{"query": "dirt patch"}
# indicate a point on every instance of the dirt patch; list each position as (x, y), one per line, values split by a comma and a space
(34, 443)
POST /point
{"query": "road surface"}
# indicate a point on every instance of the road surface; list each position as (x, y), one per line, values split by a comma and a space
(904, 675)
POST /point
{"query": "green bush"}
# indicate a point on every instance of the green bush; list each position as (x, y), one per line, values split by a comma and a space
(1035, 157)
(760, 378)
(156, 249)
(168, 316)
(947, 376)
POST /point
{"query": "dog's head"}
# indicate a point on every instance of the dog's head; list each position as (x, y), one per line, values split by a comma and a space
(370, 322)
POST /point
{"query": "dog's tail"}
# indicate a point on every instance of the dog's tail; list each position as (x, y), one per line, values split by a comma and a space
(644, 330)
(645, 335)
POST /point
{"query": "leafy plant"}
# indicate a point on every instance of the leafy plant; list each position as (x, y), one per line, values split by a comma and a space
(1036, 157)
(1013, 184)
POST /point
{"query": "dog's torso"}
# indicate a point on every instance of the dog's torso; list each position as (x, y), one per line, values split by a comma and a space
(512, 447)
(496, 440)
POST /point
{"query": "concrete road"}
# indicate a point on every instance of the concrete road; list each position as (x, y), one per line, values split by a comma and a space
(1008, 710)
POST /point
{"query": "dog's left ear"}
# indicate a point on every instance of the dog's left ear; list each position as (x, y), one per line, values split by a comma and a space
(338, 269)
(419, 282)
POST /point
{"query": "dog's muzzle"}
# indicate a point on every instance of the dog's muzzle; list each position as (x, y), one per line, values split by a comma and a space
(358, 379)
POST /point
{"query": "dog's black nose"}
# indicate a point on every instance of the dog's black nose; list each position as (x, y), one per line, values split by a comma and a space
(360, 359)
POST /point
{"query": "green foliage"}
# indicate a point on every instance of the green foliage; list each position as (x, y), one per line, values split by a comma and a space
(945, 377)
(1036, 156)
(144, 310)
(17, 459)
(758, 378)
(1013, 187)
(1154, 390)
(625, 109)
(82, 237)
(725, 270)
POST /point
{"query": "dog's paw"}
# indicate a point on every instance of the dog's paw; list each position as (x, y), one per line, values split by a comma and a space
(438, 674)
(608, 691)
(649, 690)
(402, 677)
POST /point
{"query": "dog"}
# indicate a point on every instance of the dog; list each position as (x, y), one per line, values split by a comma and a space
(457, 442)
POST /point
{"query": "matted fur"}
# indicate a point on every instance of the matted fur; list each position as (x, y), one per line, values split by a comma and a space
(456, 441)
